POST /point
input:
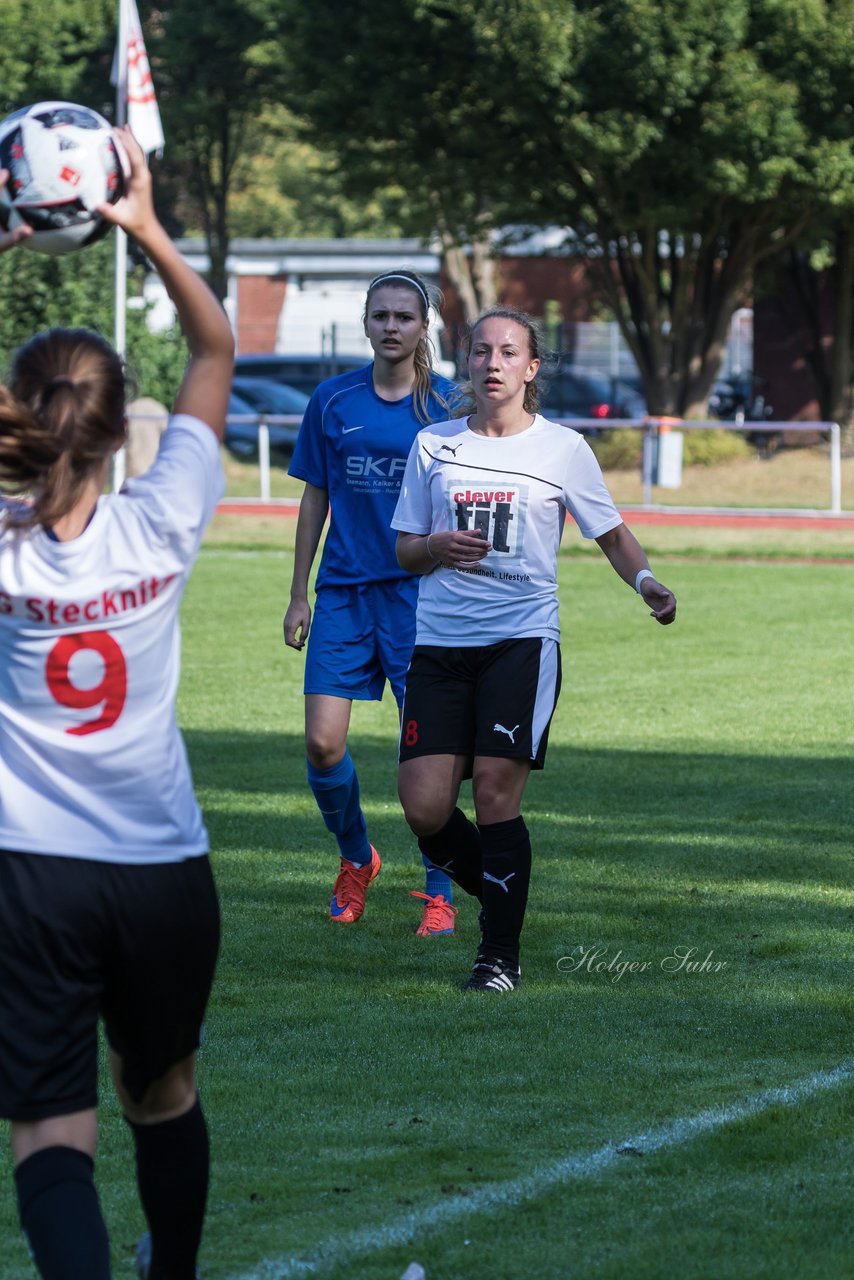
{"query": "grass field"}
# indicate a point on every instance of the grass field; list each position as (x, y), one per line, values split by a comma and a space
(650, 1123)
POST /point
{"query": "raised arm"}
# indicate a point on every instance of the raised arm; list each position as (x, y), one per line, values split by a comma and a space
(628, 558)
(205, 389)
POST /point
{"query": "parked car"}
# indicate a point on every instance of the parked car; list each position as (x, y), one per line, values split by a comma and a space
(572, 394)
(743, 398)
(250, 399)
(301, 372)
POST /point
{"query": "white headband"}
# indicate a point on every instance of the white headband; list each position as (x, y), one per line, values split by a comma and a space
(395, 275)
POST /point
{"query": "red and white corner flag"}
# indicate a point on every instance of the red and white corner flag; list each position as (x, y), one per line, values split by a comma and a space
(131, 74)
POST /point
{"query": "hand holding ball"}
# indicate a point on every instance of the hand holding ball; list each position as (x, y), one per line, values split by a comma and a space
(63, 161)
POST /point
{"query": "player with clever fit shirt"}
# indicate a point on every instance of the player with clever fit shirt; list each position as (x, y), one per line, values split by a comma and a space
(480, 516)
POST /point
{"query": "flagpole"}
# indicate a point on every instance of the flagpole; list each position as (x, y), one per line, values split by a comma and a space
(136, 105)
(121, 244)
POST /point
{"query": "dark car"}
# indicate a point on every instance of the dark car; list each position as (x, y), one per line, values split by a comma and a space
(571, 394)
(742, 398)
(254, 398)
(302, 372)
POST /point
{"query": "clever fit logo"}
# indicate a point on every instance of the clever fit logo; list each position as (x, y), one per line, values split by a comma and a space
(489, 512)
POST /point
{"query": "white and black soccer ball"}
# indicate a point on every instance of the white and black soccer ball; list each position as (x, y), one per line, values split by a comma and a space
(63, 161)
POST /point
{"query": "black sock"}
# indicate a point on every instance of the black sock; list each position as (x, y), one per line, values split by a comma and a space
(506, 850)
(61, 1216)
(456, 850)
(172, 1163)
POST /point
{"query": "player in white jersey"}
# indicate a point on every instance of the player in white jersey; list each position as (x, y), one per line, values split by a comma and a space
(107, 904)
(480, 517)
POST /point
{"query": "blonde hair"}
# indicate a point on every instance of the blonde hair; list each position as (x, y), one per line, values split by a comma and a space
(465, 402)
(423, 388)
(62, 414)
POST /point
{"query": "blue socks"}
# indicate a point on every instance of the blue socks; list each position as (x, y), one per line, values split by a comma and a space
(438, 882)
(455, 850)
(336, 791)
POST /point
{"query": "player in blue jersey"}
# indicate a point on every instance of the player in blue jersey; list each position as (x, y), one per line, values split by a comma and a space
(351, 452)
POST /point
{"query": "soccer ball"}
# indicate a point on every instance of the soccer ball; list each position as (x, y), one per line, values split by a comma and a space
(62, 161)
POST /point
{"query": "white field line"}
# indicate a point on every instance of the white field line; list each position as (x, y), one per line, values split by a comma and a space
(502, 1195)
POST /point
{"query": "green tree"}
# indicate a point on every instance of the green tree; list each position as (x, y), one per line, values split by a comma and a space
(404, 109)
(216, 64)
(293, 188)
(38, 292)
(673, 136)
(819, 268)
(60, 49)
(821, 276)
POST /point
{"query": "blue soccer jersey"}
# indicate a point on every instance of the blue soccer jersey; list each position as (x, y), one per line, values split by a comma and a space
(355, 445)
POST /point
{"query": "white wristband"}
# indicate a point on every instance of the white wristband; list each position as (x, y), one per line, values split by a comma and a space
(644, 573)
(429, 552)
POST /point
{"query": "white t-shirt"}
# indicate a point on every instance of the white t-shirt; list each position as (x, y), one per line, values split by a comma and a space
(92, 763)
(517, 490)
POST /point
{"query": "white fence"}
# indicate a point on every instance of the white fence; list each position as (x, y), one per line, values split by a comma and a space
(652, 429)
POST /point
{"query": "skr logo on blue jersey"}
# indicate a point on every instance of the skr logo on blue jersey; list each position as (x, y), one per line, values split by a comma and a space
(382, 468)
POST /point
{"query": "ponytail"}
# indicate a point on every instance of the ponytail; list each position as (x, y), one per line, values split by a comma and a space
(62, 415)
(28, 449)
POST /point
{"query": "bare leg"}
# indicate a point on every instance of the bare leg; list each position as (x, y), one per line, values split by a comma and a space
(428, 787)
(327, 721)
(498, 785)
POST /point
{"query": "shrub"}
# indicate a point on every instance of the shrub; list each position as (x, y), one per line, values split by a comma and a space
(621, 449)
(708, 448)
(38, 292)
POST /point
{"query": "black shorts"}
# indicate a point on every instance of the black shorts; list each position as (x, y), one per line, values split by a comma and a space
(79, 940)
(487, 700)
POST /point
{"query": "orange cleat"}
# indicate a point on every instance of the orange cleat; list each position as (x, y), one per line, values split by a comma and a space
(438, 918)
(348, 895)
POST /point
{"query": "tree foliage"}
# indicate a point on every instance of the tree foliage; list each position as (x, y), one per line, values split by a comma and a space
(294, 188)
(60, 49)
(684, 143)
(216, 65)
(39, 292)
(819, 269)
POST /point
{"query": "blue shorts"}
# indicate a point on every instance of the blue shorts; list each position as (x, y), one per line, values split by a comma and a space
(360, 637)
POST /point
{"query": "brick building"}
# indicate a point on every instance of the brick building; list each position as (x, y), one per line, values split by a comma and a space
(306, 297)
